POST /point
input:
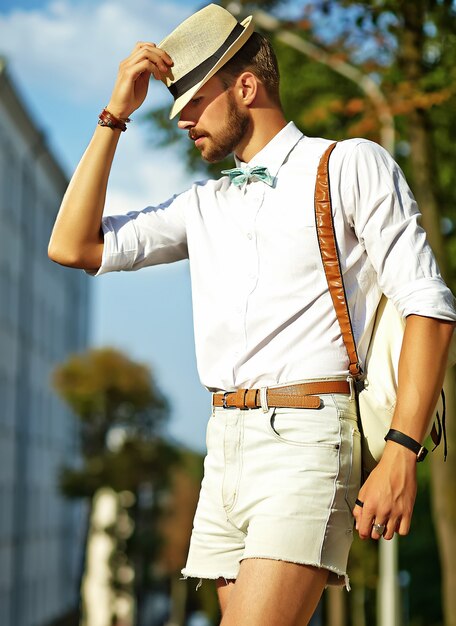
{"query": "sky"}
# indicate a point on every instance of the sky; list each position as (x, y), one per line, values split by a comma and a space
(62, 56)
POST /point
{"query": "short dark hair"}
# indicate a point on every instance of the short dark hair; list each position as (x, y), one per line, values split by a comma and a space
(257, 56)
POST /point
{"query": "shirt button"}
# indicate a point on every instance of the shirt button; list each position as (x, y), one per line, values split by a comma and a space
(249, 236)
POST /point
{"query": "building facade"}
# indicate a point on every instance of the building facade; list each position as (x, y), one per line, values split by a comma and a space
(43, 318)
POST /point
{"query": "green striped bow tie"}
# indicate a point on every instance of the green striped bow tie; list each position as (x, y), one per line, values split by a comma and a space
(240, 175)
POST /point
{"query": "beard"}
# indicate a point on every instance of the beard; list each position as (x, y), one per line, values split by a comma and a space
(224, 141)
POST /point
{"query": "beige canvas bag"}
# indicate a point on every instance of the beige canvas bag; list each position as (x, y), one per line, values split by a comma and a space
(377, 384)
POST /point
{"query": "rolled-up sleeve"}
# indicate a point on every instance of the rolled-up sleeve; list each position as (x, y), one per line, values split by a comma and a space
(139, 239)
(386, 219)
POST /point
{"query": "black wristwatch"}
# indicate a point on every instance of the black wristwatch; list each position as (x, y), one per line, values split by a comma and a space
(407, 442)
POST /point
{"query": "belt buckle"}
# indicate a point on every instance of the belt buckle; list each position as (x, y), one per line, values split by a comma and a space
(224, 404)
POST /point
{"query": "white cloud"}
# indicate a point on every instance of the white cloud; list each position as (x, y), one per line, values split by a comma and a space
(76, 47)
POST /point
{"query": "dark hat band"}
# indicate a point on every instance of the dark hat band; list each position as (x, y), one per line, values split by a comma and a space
(193, 77)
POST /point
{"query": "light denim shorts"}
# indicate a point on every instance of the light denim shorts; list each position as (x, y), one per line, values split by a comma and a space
(278, 484)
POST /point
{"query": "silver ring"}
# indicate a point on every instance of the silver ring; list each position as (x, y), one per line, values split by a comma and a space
(379, 528)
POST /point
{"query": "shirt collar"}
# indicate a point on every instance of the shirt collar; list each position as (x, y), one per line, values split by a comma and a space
(276, 151)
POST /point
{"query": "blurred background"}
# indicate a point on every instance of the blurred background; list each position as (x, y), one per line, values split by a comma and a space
(102, 418)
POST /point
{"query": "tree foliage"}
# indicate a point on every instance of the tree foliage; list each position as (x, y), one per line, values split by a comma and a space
(121, 412)
(106, 389)
(411, 48)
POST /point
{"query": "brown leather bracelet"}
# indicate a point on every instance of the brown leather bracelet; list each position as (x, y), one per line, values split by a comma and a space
(106, 118)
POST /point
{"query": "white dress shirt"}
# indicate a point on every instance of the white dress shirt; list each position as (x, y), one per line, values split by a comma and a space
(263, 314)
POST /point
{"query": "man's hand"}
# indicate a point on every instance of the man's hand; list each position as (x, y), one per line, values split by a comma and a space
(132, 82)
(388, 495)
(389, 492)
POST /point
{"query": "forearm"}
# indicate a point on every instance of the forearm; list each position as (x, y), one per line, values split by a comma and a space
(76, 239)
(421, 372)
(389, 492)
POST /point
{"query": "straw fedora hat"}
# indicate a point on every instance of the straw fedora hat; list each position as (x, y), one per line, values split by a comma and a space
(199, 47)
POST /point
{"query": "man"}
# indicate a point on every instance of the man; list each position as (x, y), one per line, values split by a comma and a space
(275, 518)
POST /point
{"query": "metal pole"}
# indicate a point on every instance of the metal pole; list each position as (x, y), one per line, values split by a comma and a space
(388, 600)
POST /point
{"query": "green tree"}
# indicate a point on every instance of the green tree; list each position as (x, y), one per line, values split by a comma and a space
(120, 412)
(107, 390)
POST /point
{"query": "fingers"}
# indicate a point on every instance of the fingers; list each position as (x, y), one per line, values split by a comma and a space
(371, 522)
(364, 517)
(378, 529)
(403, 526)
(385, 501)
(158, 60)
(357, 512)
(132, 82)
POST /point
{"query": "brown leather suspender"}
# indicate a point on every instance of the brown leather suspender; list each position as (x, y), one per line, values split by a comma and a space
(330, 258)
(331, 263)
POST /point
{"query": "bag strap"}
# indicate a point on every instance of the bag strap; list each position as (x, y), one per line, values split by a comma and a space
(331, 262)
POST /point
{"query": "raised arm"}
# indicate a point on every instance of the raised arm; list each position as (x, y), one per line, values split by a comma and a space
(77, 238)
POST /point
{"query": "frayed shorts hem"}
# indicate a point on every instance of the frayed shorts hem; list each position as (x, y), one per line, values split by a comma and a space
(335, 578)
(188, 574)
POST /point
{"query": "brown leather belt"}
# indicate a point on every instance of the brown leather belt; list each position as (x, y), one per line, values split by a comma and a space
(299, 396)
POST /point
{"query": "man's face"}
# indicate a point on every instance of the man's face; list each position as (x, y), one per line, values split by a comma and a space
(214, 121)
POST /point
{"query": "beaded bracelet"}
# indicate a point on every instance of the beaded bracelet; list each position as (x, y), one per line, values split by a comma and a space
(108, 119)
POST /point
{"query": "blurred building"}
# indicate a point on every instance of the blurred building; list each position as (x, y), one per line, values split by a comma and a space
(43, 317)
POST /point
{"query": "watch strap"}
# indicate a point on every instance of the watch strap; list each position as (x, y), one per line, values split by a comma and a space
(404, 440)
